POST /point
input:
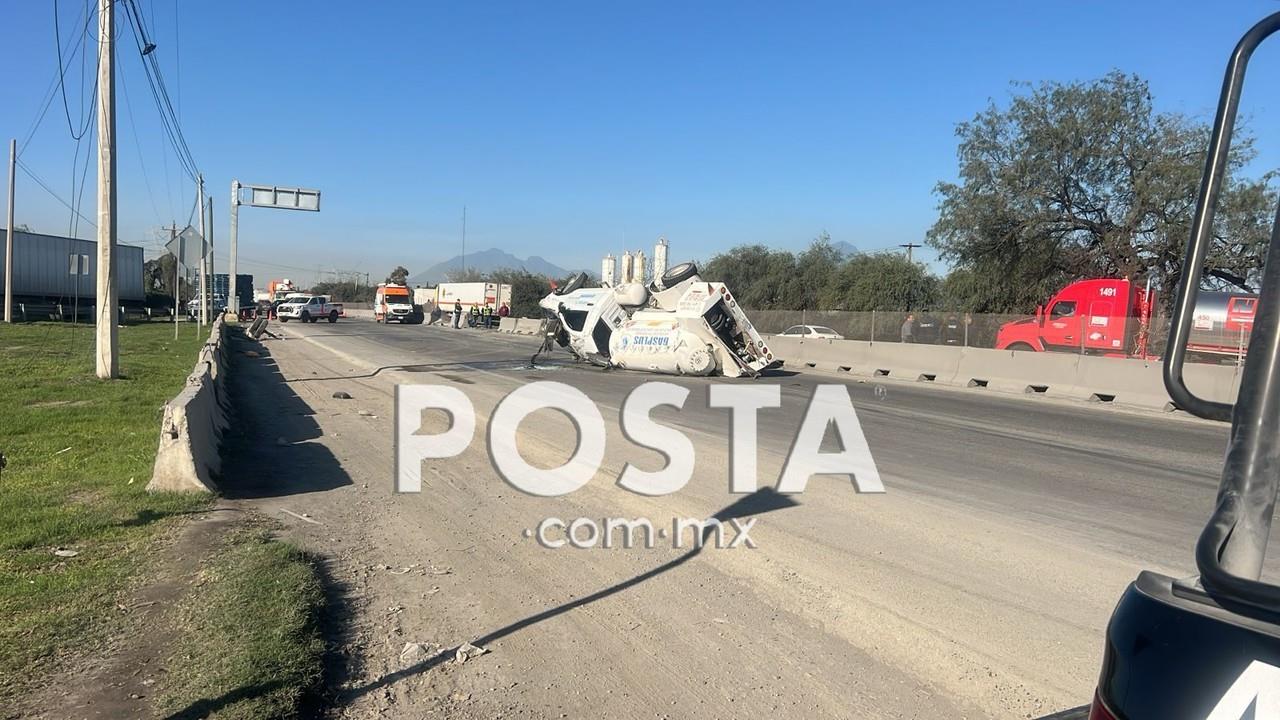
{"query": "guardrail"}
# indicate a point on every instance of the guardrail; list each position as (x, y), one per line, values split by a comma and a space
(1082, 377)
(193, 423)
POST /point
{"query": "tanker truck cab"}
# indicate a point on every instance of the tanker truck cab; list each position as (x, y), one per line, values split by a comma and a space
(679, 325)
(1092, 316)
(1207, 647)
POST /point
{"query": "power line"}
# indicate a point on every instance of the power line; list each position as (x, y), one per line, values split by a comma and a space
(31, 174)
(62, 81)
(137, 144)
(160, 93)
(52, 92)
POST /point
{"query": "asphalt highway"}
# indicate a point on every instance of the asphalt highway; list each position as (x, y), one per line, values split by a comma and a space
(978, 585)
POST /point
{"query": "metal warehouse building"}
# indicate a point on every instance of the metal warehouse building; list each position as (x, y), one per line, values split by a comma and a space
(53, 269)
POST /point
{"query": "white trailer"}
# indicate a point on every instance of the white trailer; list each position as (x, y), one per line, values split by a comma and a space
(472, 294)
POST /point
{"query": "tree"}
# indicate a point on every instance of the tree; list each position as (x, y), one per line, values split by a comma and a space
(880, 281)
(526, 290)
(398, 276)
(1087, 180)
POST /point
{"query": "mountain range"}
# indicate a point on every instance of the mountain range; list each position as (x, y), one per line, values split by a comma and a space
(486, 261)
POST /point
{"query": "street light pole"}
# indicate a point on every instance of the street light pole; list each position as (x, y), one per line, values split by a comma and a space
(233, 303)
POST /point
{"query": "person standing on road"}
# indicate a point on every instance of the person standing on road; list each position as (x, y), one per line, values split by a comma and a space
(909, 329)
(504, 311)
(457, 314)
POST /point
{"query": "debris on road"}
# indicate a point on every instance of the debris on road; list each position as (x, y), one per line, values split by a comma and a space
(414, 653)
(303, 517)
(340, 395)
(467, 651)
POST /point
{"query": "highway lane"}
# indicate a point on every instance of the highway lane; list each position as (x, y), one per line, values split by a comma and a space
(978, 585)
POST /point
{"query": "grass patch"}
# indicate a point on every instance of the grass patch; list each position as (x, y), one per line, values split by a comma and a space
(80, 453)
(250, 644)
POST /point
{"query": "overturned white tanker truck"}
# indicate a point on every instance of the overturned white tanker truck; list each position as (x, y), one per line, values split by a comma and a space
(679, 324)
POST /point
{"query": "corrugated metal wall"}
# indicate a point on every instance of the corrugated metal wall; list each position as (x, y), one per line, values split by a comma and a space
(49, 266)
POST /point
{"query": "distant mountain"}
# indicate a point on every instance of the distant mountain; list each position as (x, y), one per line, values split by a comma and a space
(487, 261)
(844, 248)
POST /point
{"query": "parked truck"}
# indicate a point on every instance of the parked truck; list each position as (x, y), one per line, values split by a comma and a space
(393, 302)
(309, 308)
(1113, 317)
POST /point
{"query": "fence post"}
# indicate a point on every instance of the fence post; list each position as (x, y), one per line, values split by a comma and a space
(873, 327)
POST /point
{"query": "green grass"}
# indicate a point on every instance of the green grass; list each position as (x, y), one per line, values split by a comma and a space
(249, 646)
(80, 453)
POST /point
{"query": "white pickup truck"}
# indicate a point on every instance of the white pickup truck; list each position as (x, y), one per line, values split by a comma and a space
(309, 308)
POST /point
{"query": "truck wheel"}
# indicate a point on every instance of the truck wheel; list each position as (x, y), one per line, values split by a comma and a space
(1020, 347)
(678, 274)
(333, 316)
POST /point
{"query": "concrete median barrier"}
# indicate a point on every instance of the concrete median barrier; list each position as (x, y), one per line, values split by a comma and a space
(527, 326)
(1050, 374)
(1065, 375)
(508, 324)
(190, 433)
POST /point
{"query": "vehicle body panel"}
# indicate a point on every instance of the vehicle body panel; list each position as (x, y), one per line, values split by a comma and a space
(1173, 653)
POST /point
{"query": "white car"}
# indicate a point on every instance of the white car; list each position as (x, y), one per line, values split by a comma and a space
(813, 332)
(679, 325)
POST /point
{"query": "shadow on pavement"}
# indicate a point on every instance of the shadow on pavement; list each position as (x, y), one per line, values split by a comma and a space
(265, 450)
(761, 501)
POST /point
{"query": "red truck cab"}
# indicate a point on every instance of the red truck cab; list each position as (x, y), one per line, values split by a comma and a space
(1093, 316)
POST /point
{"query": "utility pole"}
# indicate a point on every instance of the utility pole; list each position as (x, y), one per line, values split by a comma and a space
(910, 247)
(8, 235)
(204, 266)
(233, 303)
(212, 272)
(177, 284)
(106, 331)
(464, 239)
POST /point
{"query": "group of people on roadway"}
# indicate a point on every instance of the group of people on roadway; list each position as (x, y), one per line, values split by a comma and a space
(478, 316)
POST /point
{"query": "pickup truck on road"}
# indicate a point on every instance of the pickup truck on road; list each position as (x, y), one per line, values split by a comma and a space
(309, 308)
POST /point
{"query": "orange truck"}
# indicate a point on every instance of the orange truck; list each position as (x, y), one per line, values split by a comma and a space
(393, 302)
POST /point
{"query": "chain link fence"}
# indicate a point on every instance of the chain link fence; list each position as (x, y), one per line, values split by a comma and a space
(1210, 343)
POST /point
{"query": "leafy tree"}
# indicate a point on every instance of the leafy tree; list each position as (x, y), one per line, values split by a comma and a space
(399, 275)
(345, 292)
(881, 281)
(526, 290)
(1087, 180)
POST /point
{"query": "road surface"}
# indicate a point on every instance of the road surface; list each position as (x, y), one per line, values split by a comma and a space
(978, 585)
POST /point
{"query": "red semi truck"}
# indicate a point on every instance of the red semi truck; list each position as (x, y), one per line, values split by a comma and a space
(1113, 317)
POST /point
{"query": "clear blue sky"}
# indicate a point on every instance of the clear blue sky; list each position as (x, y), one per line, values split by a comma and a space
(571, 129)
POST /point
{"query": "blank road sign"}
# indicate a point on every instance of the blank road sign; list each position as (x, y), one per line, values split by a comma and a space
(284, 198)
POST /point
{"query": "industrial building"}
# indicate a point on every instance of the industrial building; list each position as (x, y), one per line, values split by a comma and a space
(51, 271)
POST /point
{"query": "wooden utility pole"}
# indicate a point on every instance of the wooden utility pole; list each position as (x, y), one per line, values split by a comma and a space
(177, 284)
(910, 247)
(204, 248)
(106, 331)
(8, 234)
